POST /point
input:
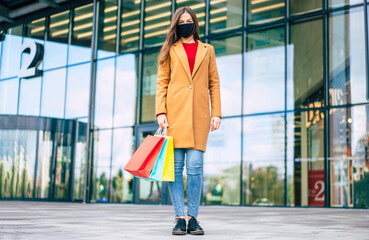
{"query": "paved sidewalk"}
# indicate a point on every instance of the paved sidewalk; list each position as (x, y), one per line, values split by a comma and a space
(55, 220)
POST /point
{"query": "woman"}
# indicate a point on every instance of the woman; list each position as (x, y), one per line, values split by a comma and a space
(187, 73)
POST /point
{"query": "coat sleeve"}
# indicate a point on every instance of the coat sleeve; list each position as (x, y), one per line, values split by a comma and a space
(163, 79)
(214, 86)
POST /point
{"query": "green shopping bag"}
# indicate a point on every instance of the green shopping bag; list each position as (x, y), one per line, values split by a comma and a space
(157, 171)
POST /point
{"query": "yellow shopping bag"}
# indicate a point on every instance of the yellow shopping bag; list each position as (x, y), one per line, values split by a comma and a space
(168, 173)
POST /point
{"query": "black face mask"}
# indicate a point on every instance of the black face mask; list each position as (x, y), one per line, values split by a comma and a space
(186, 30)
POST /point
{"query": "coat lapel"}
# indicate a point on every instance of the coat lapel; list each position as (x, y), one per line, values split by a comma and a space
(181, 53)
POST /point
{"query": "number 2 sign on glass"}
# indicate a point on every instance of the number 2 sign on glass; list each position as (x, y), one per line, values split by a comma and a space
(36, 53)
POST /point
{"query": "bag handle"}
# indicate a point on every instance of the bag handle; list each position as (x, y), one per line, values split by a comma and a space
(161, 131)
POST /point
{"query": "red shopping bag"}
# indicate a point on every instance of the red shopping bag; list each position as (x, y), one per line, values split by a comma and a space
(144, 158)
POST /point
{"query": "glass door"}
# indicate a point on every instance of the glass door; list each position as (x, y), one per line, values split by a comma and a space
(149, 191)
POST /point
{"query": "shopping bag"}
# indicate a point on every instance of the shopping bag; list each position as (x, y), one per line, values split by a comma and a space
(144, 158)
(168, 173)
(157, 171)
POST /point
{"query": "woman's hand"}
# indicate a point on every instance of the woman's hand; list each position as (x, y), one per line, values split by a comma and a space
(162, 121)
(215, 123)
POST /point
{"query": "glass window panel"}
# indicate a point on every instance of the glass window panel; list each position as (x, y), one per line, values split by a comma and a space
(198, 6)
(338, 3)
(305, 158)
(305, 65)
(157, 21)
(78, 91)
(9, 96)
(101, 165)
(53, 93)
(104, 93)
(44, 164)
(10, 57)
(7, 153)
(222, 163)
(347, 58)
(36, 29)
(122, 181)
(264, 79)
(23, 167)
(349, 165)
(130, 25)
(30, 96)
(149, 87)
(80, 162)
(263, 160)
(262, 11)
(56, 46)
(225, 14)
(108, 28)
(229, 63)
(63, 166)
(303, 6)
(80, 48)
(125, 90)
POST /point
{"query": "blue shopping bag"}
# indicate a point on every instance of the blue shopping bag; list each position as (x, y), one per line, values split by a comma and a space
(158, 169)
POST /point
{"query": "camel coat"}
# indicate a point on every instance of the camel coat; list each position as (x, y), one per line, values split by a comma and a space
(184, 97)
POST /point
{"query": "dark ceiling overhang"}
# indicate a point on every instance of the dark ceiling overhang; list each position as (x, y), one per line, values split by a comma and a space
(15, 12)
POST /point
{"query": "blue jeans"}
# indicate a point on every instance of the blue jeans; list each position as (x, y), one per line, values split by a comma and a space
(194, 159)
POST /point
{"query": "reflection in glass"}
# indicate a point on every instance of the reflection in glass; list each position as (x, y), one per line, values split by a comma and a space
(225, 14)
(101, 165)
(122, 181)
(78, 89)
(198, 6)
(263, 160)
(349, 165)
(149, 87)
(305, 158)
(80, 162)
(305, 65)
(222, 162)
(338, 3)
(53, 93)
(261, 11)
(29, 99)
(7, 156)
(36, 29)
(10, 62)
(104, 93)
(229, 58)
(264, 79)
(63, 166)
(44, 163)
(130, 25)
(80, 48)
(108, 28)
(347, 59)
(303, 6)
(17, 163)
(125, 90)
(9, 96)
(157, 21)
(56, 45)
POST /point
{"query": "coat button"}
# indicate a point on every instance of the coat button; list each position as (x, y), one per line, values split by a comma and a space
(190, 86)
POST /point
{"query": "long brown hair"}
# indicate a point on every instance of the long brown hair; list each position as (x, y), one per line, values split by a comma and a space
(173, 36)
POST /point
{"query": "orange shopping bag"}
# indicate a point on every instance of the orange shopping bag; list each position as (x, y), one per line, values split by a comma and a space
(144, 158)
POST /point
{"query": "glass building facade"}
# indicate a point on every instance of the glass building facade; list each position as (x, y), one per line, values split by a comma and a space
(294, 89)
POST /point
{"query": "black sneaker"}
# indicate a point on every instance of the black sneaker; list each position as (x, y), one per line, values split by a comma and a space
(180, 227)
(194, 227)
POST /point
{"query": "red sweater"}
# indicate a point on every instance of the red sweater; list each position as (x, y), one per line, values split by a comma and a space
(191, 50)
